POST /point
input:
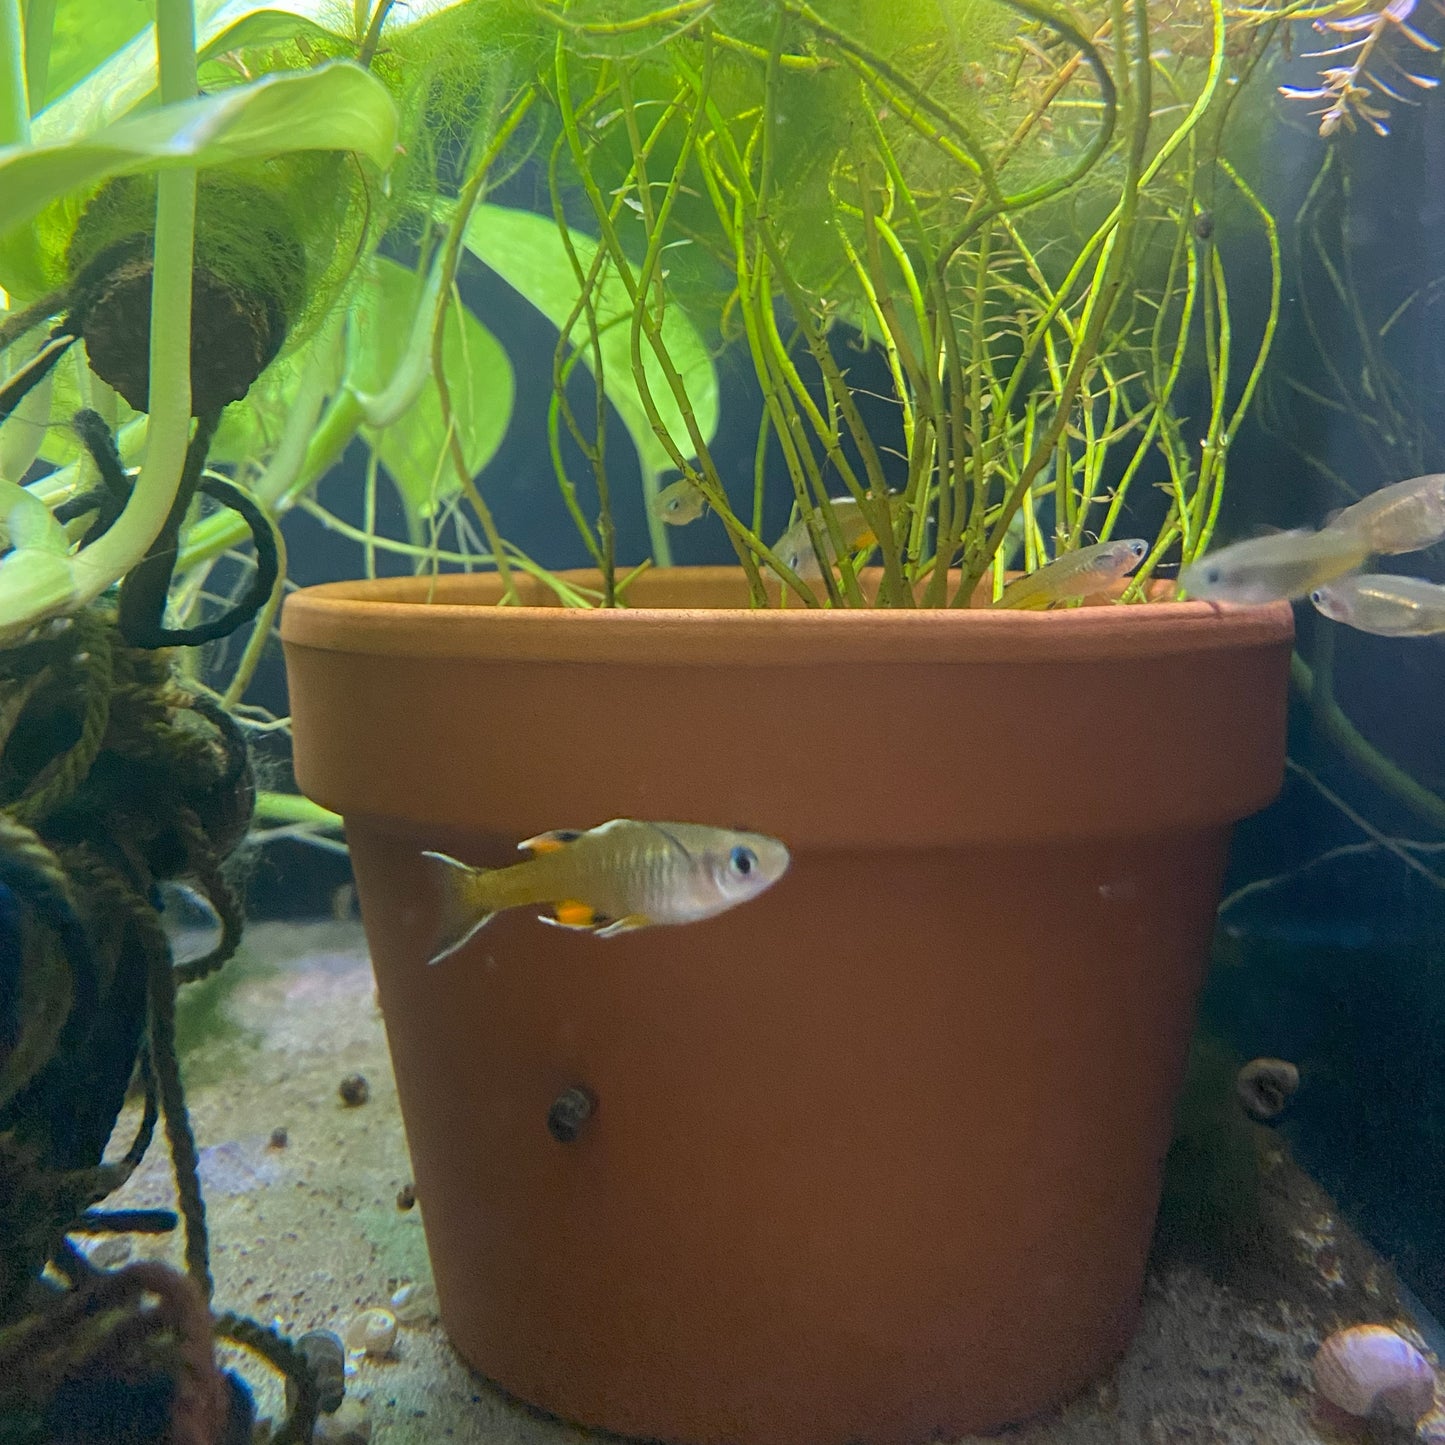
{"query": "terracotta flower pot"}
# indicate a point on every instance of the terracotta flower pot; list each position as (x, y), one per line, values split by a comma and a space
(876, 1156)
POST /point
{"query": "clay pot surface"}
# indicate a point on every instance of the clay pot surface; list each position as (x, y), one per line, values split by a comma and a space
(875, 1157)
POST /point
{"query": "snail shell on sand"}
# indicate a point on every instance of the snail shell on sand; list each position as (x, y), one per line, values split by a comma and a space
(1370, 1370)
(373, 1333)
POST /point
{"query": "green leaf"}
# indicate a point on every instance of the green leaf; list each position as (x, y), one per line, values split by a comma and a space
(526, 251)
(28, 524)
(23, 432)
(334, 107)
(85, 34)
(479, 379)
(35, 577)
(33, 584)
(128, 77)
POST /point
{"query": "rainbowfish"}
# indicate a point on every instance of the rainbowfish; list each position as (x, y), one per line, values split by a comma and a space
(795, 547)
(1381, 603)
(1075, 574)
(1275, 567)
(1403, 517)
(611, 879)
(679, 503)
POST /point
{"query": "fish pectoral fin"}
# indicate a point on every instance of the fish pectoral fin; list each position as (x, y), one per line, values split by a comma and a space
(627, 924)
(550, 841)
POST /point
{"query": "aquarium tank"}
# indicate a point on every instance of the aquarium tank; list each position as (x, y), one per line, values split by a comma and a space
(720, 721)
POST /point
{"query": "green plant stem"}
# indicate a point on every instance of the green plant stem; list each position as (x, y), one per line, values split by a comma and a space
(568, 593)
(168, 435)
(566, 355)
(1365, 757)
(260, 628)
(649, 278)
(372, 37)
(14, 99)
(415, 367)
(745, 544)
(774, 398)
(1109, 275)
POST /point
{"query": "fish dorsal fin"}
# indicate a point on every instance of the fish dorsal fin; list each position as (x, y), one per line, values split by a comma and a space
(550, 841)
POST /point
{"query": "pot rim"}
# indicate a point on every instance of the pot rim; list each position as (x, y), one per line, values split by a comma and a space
(394, 617)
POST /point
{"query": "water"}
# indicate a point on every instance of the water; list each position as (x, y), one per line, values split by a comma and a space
(875, 1157)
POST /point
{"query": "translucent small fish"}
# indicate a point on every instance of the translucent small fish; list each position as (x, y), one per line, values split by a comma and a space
(679, 503)
(1075, 574)
(1273, 568)
(795, 547)
(1390, 606)
(1403, 517)
(611, 879)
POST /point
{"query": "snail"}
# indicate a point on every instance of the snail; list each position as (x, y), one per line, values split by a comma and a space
(1265, 1086)
(372, 1333)
(1369, 1370)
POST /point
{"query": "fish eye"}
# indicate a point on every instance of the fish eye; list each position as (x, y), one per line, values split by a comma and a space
(1138, 548)
(742, 861)
(1214, 574)
(1317, 596)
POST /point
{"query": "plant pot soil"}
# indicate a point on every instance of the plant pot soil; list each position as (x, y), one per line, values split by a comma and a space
(874, 1158)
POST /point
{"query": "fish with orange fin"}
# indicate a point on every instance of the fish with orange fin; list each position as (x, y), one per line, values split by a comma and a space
(1072, 575)
(610, 879)
(795, 547)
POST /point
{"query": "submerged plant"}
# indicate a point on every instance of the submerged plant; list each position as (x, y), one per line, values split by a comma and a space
(1011, 205)
(983, 211)
(1369, 51)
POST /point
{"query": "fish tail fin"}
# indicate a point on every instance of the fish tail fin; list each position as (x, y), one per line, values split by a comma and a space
(461, 898)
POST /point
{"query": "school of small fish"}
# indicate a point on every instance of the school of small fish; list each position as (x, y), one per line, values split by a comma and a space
(1324, 565)
(611, 879)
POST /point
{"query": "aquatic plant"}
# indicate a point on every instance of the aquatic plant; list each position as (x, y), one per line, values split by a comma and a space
(1371, 49)
(1012, 204)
